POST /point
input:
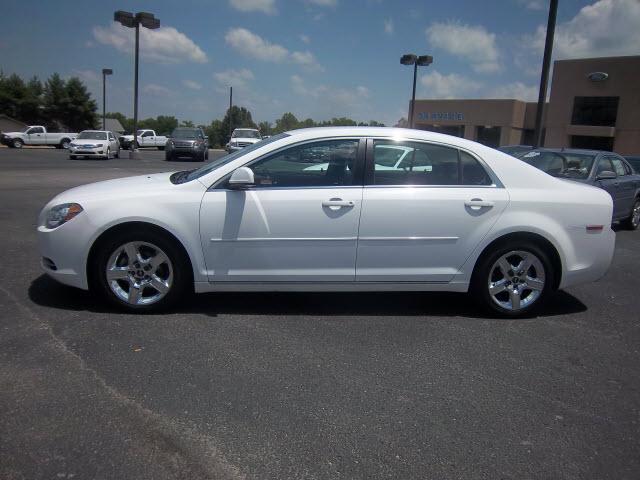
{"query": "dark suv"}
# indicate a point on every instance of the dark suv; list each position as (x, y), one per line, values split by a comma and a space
(187, 142)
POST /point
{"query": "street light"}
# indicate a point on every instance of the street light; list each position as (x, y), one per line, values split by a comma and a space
(415, 60)
(130, 20)
(105, 72)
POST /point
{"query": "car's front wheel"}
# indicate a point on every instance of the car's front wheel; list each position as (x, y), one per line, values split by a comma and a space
(17, 143)
(514, 279)
(141, 271)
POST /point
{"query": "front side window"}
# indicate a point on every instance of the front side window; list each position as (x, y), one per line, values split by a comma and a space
(36, 130)
(318, 164)
(147, 134)
(604, 165)
(416, 163)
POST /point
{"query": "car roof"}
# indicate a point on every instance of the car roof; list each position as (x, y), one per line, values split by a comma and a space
(584, 151)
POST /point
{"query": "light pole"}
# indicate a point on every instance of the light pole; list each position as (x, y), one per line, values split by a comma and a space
(130, 20)
(105, 72)
(544, 76)
(415, 60)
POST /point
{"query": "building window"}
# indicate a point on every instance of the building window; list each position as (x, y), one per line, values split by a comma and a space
(592, 143)
(489, 136)
(455, 130)
(596, 111)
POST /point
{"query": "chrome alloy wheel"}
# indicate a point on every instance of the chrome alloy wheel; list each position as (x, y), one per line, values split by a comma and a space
(516, 280)
(139, 273)
(635, 215)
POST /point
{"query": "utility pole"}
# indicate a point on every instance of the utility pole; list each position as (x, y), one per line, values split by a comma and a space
(544, 77)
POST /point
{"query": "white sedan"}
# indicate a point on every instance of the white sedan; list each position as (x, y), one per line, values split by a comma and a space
(260, 220)
(94, 144)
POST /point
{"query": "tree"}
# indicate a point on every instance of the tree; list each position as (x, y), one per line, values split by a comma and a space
(265, 128)
(215, 134)
(12, 94)
(31, 109)
(187, 123)
(162, 124)
(288, 121)
(236, 117)
(79, 111)
(54, 100)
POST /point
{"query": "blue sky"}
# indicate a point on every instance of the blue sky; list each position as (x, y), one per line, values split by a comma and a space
(315, 58)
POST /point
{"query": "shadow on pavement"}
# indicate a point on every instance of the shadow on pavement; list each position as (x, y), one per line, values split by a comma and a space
(48, 293)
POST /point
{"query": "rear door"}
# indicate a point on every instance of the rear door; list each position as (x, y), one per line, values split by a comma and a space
(421, 220)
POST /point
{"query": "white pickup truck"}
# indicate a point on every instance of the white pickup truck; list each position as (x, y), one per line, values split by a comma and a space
(37, 135)
(146, 138)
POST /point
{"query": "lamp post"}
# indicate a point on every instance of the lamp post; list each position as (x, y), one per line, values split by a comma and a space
(105, 72)
(415, 60)
(544, 75)
(131, 20)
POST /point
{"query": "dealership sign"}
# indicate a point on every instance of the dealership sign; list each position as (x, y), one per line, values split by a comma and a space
(441, 116)
(598, 76)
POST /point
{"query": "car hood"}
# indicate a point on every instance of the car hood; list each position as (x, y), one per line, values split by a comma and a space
(116, 188)
(12, 134)
(245, 140)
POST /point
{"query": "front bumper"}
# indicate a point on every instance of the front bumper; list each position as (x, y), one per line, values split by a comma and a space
(63, 251)
(88, 152)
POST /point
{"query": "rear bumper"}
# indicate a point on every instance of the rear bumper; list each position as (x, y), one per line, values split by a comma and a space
(594, 256)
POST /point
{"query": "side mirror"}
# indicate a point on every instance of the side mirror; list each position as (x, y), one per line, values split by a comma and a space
(241, 179)
(607, 175)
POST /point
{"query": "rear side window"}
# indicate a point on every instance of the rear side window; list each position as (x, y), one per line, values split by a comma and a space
(618, 166)
(417, 163)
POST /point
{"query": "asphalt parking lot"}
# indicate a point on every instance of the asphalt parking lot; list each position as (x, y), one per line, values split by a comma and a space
(299, 386)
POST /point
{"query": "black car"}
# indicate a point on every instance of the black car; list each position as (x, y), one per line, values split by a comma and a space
(606, 170)
(634, 161)
(187, 142)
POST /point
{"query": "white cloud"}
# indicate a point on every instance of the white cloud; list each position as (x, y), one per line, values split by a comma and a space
(307, 60)
(255, 46)
(388, 26)
(323, 3)
(604, 28)
(437, 85)
(534, 4)
(517, 90)
(305, 38)
(156, 90)
(473, 43)
(337, 96)
(252, 45)
(191, 84)
(164, 45)
(265, 6)
(87, 76)
(234, 78)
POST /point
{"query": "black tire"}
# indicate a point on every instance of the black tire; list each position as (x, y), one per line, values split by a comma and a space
(633, 221)
(168, 156)
(64, 143)
(160, 148)
(17, 143)
(72, 157)
(181, 287)
(108, 155)
(206, 154)
(480, 279)
(117, 154)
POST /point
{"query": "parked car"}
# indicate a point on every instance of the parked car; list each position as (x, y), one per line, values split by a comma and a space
(243, 137)
(37, 135)
(515, 149)
(95, 144)
(145, 138)
(606, 170)
(187, 142)
(257, 220)
(634, 161)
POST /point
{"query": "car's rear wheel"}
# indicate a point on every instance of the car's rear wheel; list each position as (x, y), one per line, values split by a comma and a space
(633, 221)
(64, 143)
(514, 279)
(141, 271)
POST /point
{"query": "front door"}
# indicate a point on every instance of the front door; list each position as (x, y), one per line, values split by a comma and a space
(36, 136)
(609, 184)
(423, 218)
(299, 223)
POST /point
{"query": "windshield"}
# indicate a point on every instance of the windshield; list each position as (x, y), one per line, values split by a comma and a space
(560, 164)
(210, 167)
(92, 136)
(185, 133)
(245, 133)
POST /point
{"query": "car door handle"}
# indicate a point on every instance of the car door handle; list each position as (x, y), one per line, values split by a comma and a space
(338, 202)
(478, 203)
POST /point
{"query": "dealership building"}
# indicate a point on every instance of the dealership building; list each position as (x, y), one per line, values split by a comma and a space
(593, 103)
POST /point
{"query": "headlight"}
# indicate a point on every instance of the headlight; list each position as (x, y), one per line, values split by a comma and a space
(61, 214)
